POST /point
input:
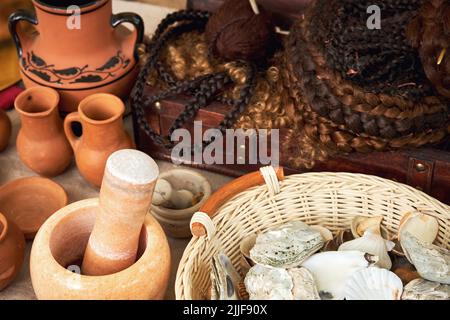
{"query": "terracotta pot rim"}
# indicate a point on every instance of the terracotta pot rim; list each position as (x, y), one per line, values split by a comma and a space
(61, 10)
(4, 224)
(40, 114)
(119, 113)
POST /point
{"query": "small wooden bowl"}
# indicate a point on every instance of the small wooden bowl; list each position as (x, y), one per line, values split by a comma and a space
(176, 222)
(28, 202)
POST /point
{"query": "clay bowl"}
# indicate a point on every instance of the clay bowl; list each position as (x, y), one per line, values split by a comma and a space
(176, 221)
(12, 246)
(61, 242)
(28, 202)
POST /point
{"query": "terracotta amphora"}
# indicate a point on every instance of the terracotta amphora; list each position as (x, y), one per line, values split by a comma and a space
(12, 247)
(125, 198)
(41, 144)
(100, 116)
(5, 130)
(79, 48)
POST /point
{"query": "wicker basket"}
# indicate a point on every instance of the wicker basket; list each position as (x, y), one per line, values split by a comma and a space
(261, 200)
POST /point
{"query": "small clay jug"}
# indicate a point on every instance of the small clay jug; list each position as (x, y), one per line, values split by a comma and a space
(100, 116)
(41, 143)
(12, 247)
(125, 198)
(5, 130)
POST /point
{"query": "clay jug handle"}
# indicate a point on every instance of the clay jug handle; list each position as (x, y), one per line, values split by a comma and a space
(73, 139)
(13, 20)
(136, 21)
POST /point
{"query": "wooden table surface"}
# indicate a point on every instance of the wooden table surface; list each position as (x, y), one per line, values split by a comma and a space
(76, 187)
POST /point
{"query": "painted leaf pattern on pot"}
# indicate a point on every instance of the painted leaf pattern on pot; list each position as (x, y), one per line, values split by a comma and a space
(114, 61)
(41, 74)
(37, 66)
(89, 78)
(38, 61)
(67, 72)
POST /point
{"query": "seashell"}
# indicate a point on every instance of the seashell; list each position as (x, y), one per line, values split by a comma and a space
(361, 224)
(224, 279)
(422, 226)
(431, 261)
(341, 237)
(373, 244)
(404, 270)
(329, 246)
(373, 284)
(327, 235)
(286, 246)
(304, 284)
(266, 283)
(162, 193)
(246, 245)
(398, 250)
(181, 199)
(421, 289)
(332, 269)
(243, 294)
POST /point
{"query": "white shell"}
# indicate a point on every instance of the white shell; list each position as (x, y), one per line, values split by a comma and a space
(432, 262)
(304, 284)
(332, 269)
(361, 224)
(371, 243)
(266, 283)
(162, 193)
(224, 279)
(422, 226)
(181, 199)
(327, 235)
(421, 289)
(246, 245)
(286, 246)
(373, 284)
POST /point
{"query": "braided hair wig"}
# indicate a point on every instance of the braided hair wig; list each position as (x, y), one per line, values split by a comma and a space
(359, 89)
(336, 87)
(429, 32)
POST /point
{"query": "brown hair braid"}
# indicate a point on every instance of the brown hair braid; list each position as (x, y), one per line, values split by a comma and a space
(203, 88)
(429, 31)
(344, 115)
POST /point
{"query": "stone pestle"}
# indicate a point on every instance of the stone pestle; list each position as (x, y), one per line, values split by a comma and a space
(125, 198)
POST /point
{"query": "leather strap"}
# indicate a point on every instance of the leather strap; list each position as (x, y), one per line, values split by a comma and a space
(420, 174)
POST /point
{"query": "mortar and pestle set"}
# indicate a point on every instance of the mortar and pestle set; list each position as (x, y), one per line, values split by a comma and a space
(123, 251)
